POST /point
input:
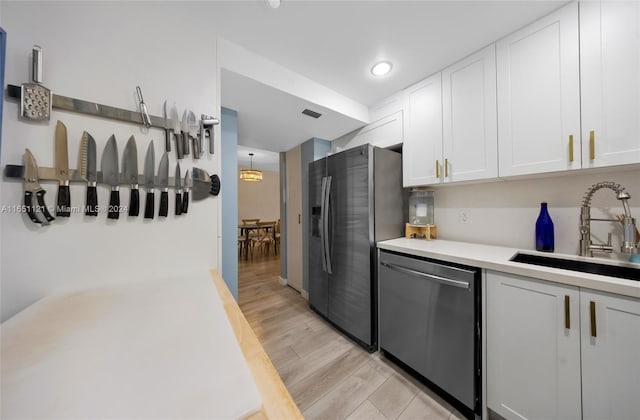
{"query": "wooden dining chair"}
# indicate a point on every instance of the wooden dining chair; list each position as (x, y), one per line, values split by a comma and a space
(252, 233)
(276, 237)
(265, 238)
(244, 243)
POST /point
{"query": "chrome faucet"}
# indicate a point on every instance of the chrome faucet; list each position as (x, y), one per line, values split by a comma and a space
(629, 245)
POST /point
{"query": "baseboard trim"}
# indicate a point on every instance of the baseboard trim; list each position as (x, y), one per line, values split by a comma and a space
(305, 294)
(283, 282)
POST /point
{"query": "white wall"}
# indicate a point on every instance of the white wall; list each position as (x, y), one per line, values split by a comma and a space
(100, 52)
(505, 212)
(259, 200)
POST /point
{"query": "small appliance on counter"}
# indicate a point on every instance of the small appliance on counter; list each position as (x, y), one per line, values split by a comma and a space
(421, 215)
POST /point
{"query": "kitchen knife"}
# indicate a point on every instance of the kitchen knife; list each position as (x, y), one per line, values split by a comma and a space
(88, 171)
(130, 173)
(167, 129)
(149, 173)
(63, 209)
(163, 184)
(198, 147)
(188, 182)
(178, 180)
(175, 121)
(111, 176)
(185, 132)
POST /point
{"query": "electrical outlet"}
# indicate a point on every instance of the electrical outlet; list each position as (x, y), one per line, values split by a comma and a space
(463, 216)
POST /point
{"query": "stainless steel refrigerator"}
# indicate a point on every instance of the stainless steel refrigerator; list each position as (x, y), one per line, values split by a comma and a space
(355, 200)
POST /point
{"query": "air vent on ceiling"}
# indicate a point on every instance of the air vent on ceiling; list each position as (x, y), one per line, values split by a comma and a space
(311, 113)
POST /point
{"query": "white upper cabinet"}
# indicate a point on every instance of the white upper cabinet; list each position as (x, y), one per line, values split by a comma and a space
(385, 132)
(386, 107)
(422, 147)
(610, 77)
(470, 141)
(539, 96)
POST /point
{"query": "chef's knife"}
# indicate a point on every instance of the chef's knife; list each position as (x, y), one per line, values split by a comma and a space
(193, 134)
(63, 209)
(111, 176)
(175, 121)
(188, 182)
(163, 184)
(178, 180)
(185, 132)
(130, 173)
(167, 129)
(88, 171)
(149, 173)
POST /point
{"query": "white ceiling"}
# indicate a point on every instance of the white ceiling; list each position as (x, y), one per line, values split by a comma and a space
(335, 43)
(271, 119)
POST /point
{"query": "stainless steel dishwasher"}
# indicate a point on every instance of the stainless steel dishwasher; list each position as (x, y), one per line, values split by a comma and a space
(430, 321)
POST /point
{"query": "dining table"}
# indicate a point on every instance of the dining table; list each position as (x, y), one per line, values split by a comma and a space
(245, 230)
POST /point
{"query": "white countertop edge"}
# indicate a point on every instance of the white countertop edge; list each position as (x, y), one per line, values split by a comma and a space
(496, 258)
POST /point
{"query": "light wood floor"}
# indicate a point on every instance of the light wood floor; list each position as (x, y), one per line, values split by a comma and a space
(328, 376)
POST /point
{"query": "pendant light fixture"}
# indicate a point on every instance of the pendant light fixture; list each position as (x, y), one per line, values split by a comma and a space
(250, 174)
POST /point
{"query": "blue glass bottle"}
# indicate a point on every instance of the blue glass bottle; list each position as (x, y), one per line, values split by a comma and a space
(544, 230)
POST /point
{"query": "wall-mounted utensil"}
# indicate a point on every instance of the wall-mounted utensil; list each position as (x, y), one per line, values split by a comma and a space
(111, 176)
(143, 108)
(175, 121)
(167, 128)
(130, 174)
(63, 209)
(36, 99)
(178, 187)
(206, 129)
(198, 147)
(185, 132)
(149, 181)
(31, 187)
(163, 184)
(188, 182)
(204, 185)
(87, 166)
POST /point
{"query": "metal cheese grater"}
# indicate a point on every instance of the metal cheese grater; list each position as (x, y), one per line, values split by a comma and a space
(36, 99)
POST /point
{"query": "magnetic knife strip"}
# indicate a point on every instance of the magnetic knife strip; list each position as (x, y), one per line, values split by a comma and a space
(48, 174)
(99, 110)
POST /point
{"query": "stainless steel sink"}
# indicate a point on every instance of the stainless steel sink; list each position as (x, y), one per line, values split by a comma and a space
(619, 271)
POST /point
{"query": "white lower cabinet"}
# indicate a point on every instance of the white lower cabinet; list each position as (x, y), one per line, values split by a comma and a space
(610, 326)
(533, 359)
(543, 360)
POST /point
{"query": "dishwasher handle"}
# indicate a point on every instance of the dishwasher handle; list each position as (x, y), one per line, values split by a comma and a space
(439, 279)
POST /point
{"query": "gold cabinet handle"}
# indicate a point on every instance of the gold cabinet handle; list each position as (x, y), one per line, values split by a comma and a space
(437, 169)
(567, 312)
(592, 308)
(571, 148)
(592, 145)
(446, 168)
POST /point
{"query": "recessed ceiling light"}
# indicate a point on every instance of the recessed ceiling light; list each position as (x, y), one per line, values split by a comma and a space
(381, 68)
(274, 4)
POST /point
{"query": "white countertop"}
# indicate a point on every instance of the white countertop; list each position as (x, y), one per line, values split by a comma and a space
(497, 258)
(155, 349)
